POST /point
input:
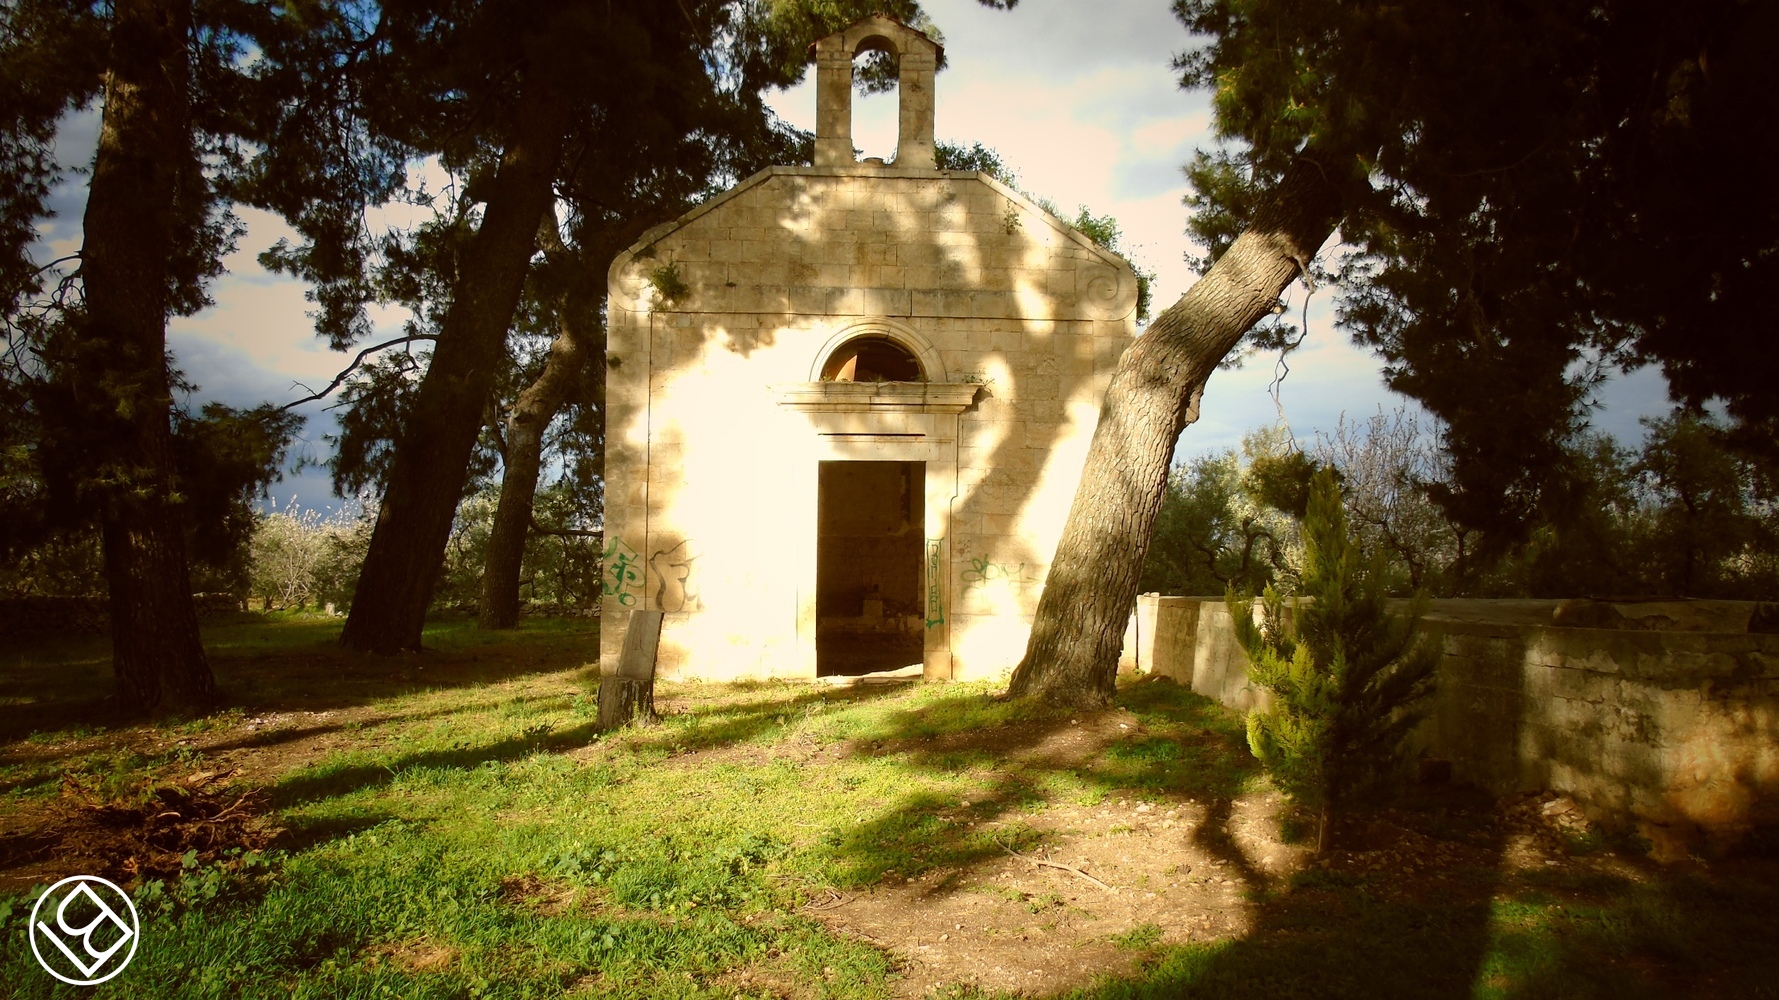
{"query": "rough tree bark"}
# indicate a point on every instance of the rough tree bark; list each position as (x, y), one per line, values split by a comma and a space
(576, 365)
(573, 355)
(1072, 655)
(431, 460)
(118, 376)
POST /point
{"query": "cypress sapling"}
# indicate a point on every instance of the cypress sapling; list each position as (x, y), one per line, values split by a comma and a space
(1348, 679)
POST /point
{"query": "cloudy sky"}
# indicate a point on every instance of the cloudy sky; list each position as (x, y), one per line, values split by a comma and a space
(1079, 100)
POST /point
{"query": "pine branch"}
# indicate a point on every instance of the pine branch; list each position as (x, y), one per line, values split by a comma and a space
(1057, 865)
(340, 379)
(564, 532)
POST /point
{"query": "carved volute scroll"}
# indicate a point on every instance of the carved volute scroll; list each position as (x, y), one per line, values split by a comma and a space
(917, 57)
(1104, 293)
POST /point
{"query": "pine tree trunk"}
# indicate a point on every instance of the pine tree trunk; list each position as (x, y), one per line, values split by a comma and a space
(570, 353)
(155, 645)
(576, 367)
(431, 462)
(117, 371)
(1072, 655)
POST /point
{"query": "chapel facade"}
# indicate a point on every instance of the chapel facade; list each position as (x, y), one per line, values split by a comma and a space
(848, 405)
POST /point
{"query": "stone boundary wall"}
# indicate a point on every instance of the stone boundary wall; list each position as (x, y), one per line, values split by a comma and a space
(22, 617)
(1661, 714)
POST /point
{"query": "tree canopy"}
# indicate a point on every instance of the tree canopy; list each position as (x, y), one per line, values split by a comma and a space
(608, 112)
(98, 442)
(1541, 195)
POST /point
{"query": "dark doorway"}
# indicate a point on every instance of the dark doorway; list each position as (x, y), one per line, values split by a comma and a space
(871, 519)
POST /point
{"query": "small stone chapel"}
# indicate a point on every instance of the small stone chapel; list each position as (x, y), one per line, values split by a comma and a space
(848, 405)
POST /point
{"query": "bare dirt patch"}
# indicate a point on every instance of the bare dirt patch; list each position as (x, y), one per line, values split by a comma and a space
(1013, 923)
(539, 894)
(413, 956)
(157, 835)
(1024, 920)
(1092, 890)
(1185, 871)
(1077, 891)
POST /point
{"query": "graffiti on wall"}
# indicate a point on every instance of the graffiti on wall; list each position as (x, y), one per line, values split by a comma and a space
(623, 572)
(935, 598)
(672, 568)
(1017, 577)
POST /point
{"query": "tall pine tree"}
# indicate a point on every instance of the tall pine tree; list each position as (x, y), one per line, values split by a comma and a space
(526, 100)
(93, 439)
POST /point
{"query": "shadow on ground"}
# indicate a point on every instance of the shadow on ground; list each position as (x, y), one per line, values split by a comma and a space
(336, 780)
(1384, 923)
(734, 725)
(1426, 899)
(1491, 933)
(1357, 928)
(1160, 744)
(65, 685)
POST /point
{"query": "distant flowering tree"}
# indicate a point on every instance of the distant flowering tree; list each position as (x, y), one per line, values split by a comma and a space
(287, 548)
(300, 557)
(1348, 679)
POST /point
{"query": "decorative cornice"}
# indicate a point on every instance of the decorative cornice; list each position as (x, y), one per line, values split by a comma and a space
(876, 397)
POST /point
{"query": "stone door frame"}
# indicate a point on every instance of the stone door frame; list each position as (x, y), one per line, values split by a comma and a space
(878, 422)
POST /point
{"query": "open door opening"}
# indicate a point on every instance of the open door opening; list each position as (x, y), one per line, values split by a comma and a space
(871, 519)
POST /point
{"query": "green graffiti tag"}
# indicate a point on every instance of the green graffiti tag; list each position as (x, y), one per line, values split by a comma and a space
(935, 600)
(622, 572)
(983, 573)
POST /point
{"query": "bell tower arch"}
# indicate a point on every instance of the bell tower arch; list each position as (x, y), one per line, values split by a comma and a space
(917, 60)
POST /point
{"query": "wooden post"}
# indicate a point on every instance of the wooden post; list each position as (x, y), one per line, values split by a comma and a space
(627, 695)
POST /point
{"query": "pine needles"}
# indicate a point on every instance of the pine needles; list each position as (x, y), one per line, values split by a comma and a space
(1348, 679)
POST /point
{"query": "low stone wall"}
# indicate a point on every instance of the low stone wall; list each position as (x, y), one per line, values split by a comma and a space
(23, 617)
(1663, 714)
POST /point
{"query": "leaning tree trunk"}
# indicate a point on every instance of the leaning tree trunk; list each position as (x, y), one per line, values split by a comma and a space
(117, 368)
(576, 366)
(431, 461)
(571, 353)
(1072, 655)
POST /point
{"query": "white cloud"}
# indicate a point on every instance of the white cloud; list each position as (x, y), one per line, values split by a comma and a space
(1168, 136)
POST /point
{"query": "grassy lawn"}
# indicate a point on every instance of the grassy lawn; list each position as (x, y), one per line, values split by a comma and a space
(450, 825)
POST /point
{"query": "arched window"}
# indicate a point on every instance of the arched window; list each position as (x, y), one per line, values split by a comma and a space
(872, 358)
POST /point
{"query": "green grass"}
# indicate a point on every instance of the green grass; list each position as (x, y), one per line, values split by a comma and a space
(421, 858)
(56, 694)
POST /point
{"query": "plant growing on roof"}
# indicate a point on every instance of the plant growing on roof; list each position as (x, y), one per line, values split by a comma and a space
(1348, 679)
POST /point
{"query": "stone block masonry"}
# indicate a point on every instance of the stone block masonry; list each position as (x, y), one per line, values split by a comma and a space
(1665, 716)
(726, 399)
